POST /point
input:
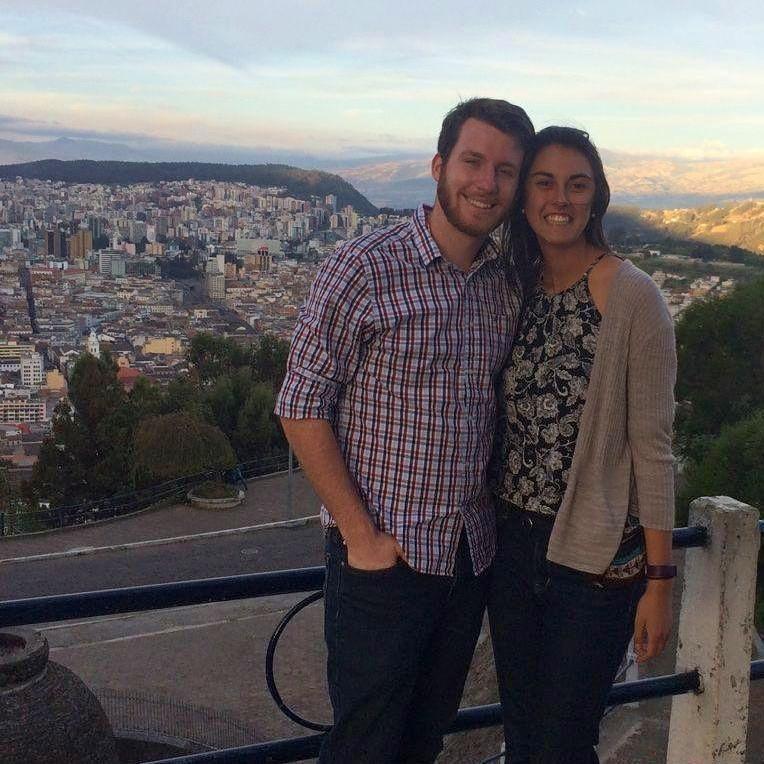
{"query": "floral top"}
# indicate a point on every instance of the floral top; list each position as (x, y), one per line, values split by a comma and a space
(542, 393)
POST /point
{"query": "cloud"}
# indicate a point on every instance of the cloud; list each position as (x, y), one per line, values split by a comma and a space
(301, 72)
(45, 130)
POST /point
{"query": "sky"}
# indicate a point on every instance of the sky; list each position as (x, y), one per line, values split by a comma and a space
(343, 79)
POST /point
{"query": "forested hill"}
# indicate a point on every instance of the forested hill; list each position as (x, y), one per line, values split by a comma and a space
(299, 183)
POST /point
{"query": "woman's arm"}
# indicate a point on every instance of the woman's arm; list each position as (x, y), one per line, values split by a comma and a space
(651, 378)
(652, 625)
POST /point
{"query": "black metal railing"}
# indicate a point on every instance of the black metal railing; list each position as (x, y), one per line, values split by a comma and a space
(160, 596)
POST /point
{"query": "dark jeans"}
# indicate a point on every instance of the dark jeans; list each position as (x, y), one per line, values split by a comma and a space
(559, 638)
(399, 648)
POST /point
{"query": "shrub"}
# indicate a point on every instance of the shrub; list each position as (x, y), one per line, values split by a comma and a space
(174, 445)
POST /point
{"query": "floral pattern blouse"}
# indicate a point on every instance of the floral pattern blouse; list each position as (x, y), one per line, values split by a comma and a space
(541, 397)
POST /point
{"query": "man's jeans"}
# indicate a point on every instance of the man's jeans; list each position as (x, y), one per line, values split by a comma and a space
(399, 649)
(558, 638)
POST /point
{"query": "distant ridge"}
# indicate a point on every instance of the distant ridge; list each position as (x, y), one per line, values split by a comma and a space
(300, 183)
(739, 224)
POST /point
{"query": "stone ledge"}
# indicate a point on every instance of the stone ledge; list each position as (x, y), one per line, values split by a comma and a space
(202, 503)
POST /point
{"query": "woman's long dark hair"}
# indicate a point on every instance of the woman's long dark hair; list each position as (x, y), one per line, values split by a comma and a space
(518, 241)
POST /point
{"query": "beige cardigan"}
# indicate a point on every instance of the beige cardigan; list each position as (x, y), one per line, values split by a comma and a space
(623, 460)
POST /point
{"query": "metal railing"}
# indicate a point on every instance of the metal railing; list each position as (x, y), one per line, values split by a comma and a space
(146, 716)
(159, 596)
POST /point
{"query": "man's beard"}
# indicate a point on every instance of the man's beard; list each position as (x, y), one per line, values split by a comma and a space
(452, 214)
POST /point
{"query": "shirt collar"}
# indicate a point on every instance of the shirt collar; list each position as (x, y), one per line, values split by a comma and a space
(428, 249)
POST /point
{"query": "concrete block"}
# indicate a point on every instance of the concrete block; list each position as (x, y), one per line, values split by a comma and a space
(715, 635)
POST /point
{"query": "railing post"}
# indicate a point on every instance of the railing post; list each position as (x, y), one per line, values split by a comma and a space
(715, 635)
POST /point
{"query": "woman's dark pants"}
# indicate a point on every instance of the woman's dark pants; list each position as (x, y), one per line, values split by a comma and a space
(399, 645)
(559, 638)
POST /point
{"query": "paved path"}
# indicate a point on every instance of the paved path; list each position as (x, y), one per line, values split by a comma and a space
(266, 501)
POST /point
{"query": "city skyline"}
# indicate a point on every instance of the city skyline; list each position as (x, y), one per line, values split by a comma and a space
(348, 81)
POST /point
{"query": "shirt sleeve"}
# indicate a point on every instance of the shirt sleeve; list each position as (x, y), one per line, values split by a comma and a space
(651, 380)
(327, 343)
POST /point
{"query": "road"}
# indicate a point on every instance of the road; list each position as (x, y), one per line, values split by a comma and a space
(274, 549)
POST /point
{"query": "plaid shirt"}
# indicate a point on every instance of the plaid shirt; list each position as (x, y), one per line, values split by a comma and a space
(400, 350)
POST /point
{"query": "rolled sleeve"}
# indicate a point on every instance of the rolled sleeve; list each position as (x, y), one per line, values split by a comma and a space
(327, 344)
(651, 380)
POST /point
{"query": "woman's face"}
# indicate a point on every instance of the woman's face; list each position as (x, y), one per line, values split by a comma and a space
(558, 196)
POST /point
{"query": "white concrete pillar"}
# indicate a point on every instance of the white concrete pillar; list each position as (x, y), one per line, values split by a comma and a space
(715, 635)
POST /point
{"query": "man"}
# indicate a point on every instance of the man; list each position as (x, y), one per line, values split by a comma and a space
(389, 405)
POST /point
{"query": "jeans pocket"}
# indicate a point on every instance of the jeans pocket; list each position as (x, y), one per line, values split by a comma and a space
(374, 573)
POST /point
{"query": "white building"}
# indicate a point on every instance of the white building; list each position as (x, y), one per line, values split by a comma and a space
(214, 281)
(32, 370)
(93, 345)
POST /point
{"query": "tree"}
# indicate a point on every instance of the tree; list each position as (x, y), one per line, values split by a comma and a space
(6, 492)
(221, 404)
(733, 465)
(94, 390)
(256, 434)
(174, 445)
(215, 356)
(721, 365)
(736, 255)
(702, 251)
(182, 395)
(89, 452)
(269, 360)
(146, 399)
(60, 474)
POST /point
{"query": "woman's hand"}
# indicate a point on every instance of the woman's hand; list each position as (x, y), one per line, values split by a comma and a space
(652, 625)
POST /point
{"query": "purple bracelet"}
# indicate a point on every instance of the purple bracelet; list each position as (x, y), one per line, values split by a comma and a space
(660, 572)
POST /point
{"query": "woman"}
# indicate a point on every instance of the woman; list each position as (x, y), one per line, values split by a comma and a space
(583, 474)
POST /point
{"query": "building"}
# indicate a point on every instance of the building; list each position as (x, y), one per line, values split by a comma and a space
(127, 377)
(14, 349)
(163, 346)
(9, 237)
(93, 346)
(214, 281)
(32, 370)
(55, 380)
(250, 246)
(57, 244)
(111, 262)
(21, 408)
(80, 244)
(95, 226)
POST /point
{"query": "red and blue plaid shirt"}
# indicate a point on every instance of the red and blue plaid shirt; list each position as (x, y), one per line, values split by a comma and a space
(400, 351)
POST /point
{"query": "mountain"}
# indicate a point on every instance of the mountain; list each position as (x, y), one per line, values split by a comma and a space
(300, 183)
(12, 152)
(646, 181)
(736, 223)
(663, 182)
(394, 183)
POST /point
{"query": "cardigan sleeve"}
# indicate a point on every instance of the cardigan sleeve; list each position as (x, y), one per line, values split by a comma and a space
(651, 378)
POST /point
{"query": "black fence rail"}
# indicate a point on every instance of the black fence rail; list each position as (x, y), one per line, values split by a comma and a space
(38, 610)
(19, 520)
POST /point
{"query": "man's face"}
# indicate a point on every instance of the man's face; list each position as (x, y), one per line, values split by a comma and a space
(477, 184)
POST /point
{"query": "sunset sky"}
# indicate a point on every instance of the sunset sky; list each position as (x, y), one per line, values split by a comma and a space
(358, 78)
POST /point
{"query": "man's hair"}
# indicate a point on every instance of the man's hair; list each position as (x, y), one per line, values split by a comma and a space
(504, 116)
